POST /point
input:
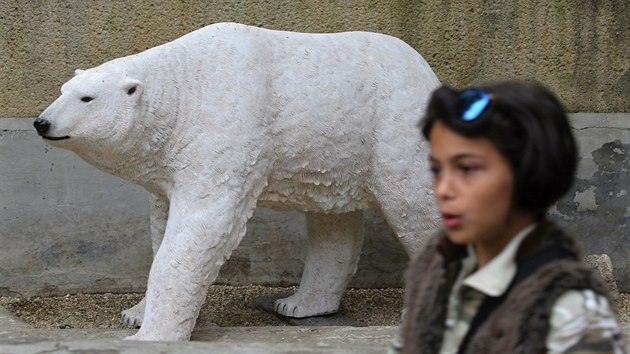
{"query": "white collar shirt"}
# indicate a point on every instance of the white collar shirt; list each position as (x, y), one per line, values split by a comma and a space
(471, 286)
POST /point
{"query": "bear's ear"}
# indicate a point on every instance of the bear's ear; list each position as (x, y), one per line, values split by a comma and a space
(78, 71)
(132, 87)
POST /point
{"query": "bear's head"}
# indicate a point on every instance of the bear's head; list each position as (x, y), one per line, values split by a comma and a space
(97, 109)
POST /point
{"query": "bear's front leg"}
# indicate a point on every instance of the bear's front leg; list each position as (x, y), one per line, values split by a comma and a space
(158, 214)
(332, 255)
(197, 241)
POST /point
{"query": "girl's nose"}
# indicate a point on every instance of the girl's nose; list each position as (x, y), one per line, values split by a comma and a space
(443, 187)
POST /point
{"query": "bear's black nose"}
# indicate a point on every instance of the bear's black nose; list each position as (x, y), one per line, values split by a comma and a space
(41, 125)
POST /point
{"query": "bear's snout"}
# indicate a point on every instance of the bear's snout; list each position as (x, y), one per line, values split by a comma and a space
(41, 125)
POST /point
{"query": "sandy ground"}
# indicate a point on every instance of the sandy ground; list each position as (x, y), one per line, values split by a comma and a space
(226, 306)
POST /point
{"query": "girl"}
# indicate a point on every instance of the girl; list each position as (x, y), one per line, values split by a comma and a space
(501, 278)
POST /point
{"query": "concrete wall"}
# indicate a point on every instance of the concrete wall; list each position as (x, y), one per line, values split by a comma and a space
(598, 208)
(66, 227)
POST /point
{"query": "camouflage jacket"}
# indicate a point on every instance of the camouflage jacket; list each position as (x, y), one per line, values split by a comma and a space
(560, 308)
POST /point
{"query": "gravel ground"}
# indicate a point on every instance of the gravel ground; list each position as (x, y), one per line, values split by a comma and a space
(226, 306)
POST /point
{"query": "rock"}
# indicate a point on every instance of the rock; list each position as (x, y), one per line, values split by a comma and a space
(602, 264)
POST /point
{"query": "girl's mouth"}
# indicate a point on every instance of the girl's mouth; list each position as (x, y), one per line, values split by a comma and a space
(451, 221)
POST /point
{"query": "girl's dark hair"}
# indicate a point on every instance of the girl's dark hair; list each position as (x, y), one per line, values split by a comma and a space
(528, 125)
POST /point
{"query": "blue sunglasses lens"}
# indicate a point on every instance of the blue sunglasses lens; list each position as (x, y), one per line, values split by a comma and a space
(472, 103)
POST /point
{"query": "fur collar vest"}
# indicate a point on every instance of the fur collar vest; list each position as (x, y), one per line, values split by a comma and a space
(548, 265)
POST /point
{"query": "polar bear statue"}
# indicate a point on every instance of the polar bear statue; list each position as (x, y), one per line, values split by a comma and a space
(229, 117)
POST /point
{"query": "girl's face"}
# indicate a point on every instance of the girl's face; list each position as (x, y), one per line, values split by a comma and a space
(473, 186)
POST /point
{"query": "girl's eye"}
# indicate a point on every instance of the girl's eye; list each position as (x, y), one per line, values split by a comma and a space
(468, 168)
(435, 171)
(87, 99)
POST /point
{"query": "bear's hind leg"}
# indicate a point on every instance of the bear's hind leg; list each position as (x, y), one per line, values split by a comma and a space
(403, 188)
(333, 251)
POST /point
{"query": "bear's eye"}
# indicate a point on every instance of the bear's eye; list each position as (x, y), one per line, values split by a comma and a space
(87, 98)
(131, 90)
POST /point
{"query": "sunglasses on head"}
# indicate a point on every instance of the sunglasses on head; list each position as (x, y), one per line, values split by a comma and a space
(472, 103)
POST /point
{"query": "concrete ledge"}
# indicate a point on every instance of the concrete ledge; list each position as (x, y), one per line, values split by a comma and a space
(17, 338)
(125, 347)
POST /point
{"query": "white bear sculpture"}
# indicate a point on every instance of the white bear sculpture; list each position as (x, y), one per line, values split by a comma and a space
(229, 117)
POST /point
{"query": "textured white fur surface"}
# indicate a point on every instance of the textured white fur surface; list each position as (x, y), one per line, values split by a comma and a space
(231, 116)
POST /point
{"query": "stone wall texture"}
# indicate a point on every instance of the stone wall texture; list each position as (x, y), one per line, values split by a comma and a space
(579, 48)
(66, 227)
